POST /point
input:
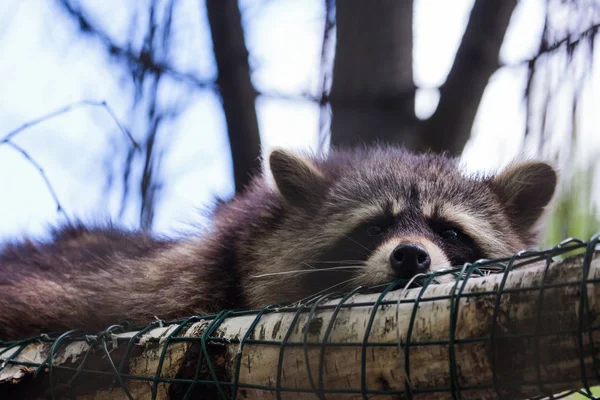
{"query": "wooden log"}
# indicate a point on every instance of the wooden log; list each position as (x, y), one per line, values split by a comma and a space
(478, 338)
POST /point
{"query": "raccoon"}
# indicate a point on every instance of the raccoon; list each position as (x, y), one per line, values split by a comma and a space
(354, 218)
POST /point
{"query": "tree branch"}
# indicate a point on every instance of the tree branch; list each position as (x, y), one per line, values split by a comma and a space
(476, 60)
(568, 41)
(8, 140)
(144, 60)
(327, 53)
(66, 109)
(235, 85)
(38, 167)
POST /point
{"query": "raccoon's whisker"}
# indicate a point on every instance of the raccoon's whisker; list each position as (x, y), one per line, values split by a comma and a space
(360, 262)
(352, 240)
(345, 265)
(327, 289)
(308, 271)
(293, 249)
(308, 265)
(328, 268)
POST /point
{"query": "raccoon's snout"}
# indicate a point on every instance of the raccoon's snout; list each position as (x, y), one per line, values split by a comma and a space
(409, 259)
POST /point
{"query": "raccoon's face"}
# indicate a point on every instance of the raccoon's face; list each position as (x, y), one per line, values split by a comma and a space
(383, 214)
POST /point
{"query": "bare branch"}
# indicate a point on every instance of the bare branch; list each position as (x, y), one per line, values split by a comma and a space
(144, 60)
(567, 45)
(36, 165)
(531, 70)
(8, 139)
(326, 71)
(126, 173)
(568, 41)
(66, 109)
(121, 127)
(302, 97)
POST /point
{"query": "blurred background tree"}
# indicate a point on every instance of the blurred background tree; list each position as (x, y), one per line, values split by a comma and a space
(163, 61)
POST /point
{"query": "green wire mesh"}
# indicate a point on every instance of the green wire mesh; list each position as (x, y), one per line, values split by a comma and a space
(200, 377)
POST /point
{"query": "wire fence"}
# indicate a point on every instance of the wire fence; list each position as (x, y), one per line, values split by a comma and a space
(521, 327)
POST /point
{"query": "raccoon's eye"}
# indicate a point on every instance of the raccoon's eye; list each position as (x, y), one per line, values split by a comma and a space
(453, 234)
(448, 231)
(374, 230)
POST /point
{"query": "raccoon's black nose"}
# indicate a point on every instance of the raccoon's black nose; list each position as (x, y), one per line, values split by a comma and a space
(409, 259)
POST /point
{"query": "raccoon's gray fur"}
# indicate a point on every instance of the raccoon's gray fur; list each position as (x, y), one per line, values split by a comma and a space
(358, 217)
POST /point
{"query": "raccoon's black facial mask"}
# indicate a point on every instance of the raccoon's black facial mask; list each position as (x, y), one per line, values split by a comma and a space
(459, 247)
(359, 245)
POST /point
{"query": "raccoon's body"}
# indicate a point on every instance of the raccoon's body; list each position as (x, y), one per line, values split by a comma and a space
(355, 218)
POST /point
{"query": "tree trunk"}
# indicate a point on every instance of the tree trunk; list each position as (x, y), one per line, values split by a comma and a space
(372, 96)
(538, 340)
(237, 92)
(372, 93)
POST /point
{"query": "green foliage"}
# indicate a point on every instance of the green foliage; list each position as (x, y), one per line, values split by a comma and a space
(595, 392)
(574, 213)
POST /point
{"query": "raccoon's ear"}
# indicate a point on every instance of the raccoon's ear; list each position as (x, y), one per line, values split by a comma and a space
(526, 189)
(297, 179)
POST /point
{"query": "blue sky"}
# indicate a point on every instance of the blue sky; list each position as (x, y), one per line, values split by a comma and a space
(45, 66)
